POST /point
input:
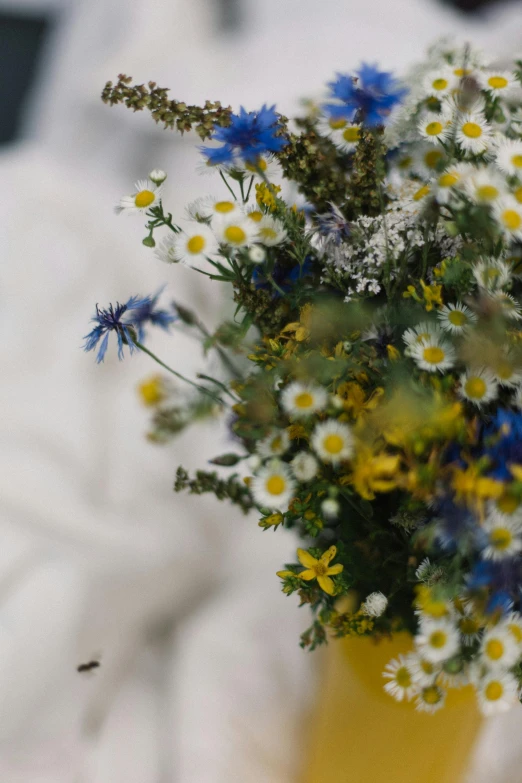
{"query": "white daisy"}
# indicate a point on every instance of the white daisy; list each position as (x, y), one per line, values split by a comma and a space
(264, 166)
(433, 354)
(440, 82)
(254, 213)
(327, 126)
(498, 82)
(303, 399)
(165, 251)
(454, 674)
(146, 195)
(400, 683)
(492, 274)
(514, 625)
(437, 640)
(417, 334)
(195, 244)
(508, 213)
(456, 317)
(427, 160)
(509, 305)
(449, 180)
(497, 692)
(508, 157)
(506, 371)
(504, 535)
(478, 386)
(499, 649)
(434, 127)
(424, 672)
(484, 185)
(473, 134)
(304, 466)
(273, 487)
(374, 605)
(274, 445)
(430, 699)
(332, 441)
(270, 232)
(209, 207)
(421, 193)
(469, 626)
(236, 232)
(346, 139)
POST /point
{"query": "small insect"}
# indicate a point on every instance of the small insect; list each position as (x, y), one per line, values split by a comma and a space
(88, 667)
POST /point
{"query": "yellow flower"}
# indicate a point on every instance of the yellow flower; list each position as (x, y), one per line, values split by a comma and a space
(473, 488)
(354, 398)
(152, 390)
(373, 472)
(265, 195)
(393, 353)
(432, 295)
(320, 569)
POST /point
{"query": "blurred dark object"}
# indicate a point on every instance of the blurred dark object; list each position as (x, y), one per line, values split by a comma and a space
(230, 15)
(21, 43)
(470, 6)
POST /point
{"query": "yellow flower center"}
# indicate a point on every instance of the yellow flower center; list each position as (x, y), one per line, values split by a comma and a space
(427, 667)
(224, 207)
(505, 370)
(434, 128)
(508, 504)
(267, 233)
(472, 130)
(256, 216)
(151, 391)
(439, 84)
(235, 235)
(352, 134)
(144, 198)
(457, 318)
(431, 695)
(304, 400)
(494, 691)
(448, 180)
(276, 444)
(438, 639)
(259, 165)
(320, 568)
(516, 631)
(475, 388)
(460, 72)
(494, 649)
(333, 443)
(469, 626)
(196, 244)
(501, 538)
(432, 158)
(498, 82)
(405, 163)
(516, 160)
(336, 124)
(511, 219)
(275, 485)
(487, 192)
(403, 677)
(421, 193)
(433, 354)
(518, 195)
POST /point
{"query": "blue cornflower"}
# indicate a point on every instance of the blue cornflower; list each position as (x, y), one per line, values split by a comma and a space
(147, 313)
(110, 320)
(249, 135)
(333, 225)
(368, 100)
(284, 277)
(502, 443)
(456, 527)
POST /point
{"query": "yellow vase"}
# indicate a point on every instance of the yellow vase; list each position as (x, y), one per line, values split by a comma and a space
(359, 734)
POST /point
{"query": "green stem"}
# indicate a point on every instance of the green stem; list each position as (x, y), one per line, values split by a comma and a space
(277, 288)
(202, 389)
(249, 189)
(218, 383)
(228, 186)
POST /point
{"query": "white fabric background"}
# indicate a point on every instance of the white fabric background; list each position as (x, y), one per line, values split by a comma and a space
(201, 672)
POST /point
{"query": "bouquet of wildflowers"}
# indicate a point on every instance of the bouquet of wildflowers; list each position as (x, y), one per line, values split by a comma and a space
(372, 369)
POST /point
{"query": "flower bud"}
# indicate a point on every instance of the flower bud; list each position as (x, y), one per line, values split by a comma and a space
(157, 176)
